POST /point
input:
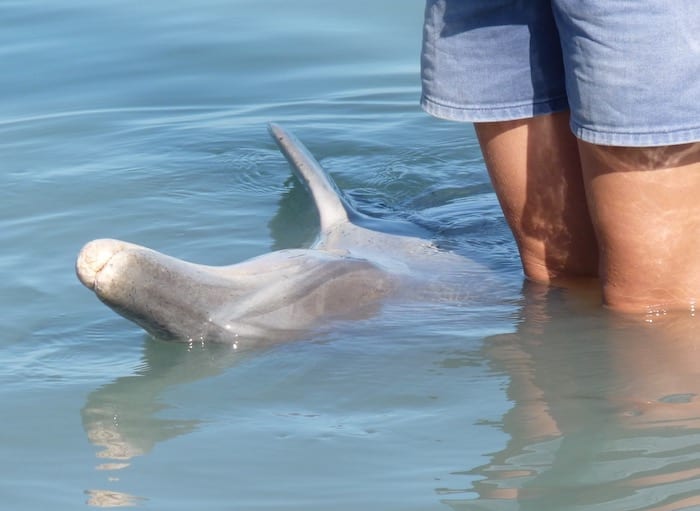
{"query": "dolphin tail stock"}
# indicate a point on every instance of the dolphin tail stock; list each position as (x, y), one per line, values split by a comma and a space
(332, 209)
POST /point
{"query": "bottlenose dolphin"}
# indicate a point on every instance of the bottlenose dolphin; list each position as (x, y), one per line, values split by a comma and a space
(356, 265)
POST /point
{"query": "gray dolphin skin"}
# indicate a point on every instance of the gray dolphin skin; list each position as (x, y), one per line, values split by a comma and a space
(356, 265)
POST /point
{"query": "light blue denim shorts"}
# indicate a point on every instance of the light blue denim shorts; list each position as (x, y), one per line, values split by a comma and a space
(629, 70)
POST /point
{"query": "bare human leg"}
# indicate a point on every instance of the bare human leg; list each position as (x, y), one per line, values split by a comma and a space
(535, 169)
(645, 205)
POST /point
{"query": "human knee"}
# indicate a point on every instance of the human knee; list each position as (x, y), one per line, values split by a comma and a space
(644, 208)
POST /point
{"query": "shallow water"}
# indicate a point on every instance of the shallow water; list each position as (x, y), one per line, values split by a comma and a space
(146, 121)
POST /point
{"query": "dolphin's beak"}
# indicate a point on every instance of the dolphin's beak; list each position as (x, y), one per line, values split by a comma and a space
(93, 257)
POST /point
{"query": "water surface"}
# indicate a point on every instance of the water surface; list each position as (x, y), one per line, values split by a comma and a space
(146, 121)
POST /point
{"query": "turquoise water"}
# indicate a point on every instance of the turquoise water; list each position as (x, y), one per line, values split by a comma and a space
(146, 121)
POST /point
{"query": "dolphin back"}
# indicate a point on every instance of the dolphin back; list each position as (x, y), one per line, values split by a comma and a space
(331, 207)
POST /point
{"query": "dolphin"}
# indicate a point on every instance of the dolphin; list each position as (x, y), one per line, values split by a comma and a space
(356, 265)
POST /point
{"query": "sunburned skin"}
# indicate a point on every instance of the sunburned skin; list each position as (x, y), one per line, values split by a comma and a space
(356, 265)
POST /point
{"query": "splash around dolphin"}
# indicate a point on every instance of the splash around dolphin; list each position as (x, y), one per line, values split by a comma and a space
(356, 265)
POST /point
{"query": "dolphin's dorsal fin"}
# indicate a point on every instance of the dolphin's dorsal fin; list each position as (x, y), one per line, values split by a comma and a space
(331, 207)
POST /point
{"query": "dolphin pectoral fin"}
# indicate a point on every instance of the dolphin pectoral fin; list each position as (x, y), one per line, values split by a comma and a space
(321, 286)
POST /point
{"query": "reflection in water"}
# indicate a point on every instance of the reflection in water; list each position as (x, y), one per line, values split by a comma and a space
(295, 224)
(606, 410)
(107, 498)
(122, 417)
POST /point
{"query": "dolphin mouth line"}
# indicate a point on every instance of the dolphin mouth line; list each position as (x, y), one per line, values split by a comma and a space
(91, 262)
(96, 271)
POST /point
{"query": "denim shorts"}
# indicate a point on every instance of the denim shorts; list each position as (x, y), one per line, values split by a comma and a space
(628, 70)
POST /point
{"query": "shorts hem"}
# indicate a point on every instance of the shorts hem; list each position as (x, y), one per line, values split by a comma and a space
(649, 139)
(493, 113)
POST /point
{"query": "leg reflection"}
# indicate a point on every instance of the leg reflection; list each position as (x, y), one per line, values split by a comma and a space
(606, 409)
